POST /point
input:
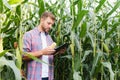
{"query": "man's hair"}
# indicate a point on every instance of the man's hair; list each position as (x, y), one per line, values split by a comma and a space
(47, 14)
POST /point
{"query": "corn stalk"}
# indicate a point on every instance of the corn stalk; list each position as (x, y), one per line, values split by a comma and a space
(92, 27)
(1, 44)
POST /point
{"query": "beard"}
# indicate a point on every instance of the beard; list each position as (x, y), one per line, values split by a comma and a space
(44, 28)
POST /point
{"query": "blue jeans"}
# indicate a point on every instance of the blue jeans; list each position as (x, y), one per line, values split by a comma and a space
(45, 78)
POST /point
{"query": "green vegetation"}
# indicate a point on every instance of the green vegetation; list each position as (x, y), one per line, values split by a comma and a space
(91, 26)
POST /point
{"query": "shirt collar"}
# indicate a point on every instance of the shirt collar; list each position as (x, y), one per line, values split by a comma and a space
(39, 32)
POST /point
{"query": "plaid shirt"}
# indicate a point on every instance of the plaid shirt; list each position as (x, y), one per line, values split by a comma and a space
(31, 43)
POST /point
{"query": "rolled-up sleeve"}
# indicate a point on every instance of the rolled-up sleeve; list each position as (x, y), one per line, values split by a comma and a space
(27, 42)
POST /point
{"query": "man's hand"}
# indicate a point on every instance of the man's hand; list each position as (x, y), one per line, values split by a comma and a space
(48, 51)
(62, 51)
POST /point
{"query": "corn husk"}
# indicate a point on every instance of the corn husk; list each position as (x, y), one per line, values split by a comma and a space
(53, 45)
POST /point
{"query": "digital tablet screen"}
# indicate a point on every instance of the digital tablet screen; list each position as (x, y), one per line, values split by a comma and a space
(65, 45)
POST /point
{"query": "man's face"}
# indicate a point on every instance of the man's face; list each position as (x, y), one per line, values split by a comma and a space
(46, 24)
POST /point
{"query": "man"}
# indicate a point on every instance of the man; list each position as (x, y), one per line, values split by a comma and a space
(37, 42)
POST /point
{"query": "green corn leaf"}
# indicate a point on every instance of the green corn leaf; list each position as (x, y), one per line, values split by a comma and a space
(8, 14)
(113, 29)
(7, 25)
(41, 7)
(83, 30)
(18, 11)
(91, 38)
(67, 56)
(4, 52)
(76, 76)
(58, 33)
(11, 2)
(34, 4)
(80, 16)
(6, 4)
(116, 49)
(1, 6)
(95, 62)
(34, 58)
(85, 55)
(80, 4)
(24, 1)
(78, 45)
(104, 22)
(100, 5)
(113, 9)
(19, 59)
(12, 65)
(108, 65)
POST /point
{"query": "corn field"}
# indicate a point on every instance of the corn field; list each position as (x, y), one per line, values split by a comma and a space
(91, 26)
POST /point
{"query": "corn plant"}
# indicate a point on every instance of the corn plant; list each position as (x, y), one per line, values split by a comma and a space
(91, 26)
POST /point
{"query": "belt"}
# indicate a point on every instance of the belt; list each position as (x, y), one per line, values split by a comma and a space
(46, 78)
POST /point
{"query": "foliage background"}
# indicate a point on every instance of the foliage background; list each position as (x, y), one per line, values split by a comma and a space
(92, 27)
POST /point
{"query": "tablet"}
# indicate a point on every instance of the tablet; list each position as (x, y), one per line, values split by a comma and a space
(65, 45)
